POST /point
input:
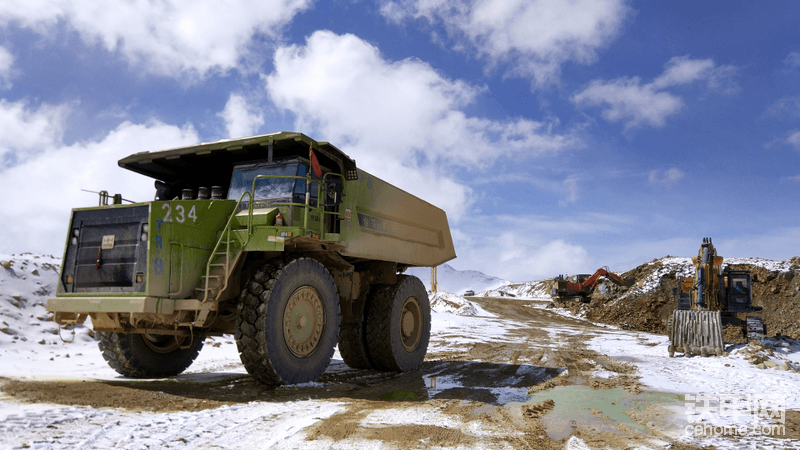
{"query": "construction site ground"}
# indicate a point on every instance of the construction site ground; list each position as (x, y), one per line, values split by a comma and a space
(516, 375)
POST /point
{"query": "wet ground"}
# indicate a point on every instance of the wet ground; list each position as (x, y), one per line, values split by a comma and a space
(533, 385)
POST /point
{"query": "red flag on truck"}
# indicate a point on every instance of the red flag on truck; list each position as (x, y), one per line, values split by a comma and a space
(314, 162)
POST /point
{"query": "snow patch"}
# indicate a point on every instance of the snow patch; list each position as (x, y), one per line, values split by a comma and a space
(447, 302)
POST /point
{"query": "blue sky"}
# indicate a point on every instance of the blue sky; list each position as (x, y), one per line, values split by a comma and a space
(559, 136)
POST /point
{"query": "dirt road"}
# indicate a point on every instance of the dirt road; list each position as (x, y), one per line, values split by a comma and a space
(471, 392)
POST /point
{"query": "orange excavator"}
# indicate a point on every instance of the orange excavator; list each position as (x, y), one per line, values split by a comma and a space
(584, 284)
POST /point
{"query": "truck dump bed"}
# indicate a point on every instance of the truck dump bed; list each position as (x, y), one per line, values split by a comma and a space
(407, 230)
(377, 220)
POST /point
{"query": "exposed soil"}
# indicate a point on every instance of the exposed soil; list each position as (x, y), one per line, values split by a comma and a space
(546, 351)
(777, 292)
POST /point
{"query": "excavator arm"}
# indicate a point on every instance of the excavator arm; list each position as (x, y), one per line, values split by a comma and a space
(586, 286)
(592, 281)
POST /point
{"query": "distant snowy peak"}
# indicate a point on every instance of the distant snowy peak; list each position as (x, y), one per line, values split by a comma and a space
(457, 281)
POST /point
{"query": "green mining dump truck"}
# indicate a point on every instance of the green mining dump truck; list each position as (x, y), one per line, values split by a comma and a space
(278, 239)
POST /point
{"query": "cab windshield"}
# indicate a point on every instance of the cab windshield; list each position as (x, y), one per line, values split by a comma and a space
(271, 190)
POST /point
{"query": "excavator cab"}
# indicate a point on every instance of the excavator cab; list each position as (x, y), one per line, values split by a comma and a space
(739, 298)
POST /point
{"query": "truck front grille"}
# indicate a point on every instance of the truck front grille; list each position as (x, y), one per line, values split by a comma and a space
(106, 250)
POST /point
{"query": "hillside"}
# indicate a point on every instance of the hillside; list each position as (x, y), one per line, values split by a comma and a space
(647, 303)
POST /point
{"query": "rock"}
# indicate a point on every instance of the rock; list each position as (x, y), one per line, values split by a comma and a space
(784, 367)
(538, 410)
(760, 366)
(770, 364)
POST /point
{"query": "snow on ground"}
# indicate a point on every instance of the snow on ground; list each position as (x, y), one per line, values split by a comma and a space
(31, 348)
(720, 375)
(456, 322)
(733, 380)
(270, 425)
(531, 290)
(681, 267)
(447, 302)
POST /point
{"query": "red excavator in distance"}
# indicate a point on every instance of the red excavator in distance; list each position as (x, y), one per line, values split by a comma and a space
(565, 289)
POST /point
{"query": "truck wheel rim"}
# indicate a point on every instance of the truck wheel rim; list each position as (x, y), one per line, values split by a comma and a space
(303, 321)
(162, 343)
(411, 323)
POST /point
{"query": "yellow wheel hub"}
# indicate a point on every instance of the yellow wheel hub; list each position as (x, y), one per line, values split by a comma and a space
(303, 321)
(411, 323)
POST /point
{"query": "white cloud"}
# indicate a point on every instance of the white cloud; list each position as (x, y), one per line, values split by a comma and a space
(626, 99)
(25, 131)
(534, 37)
(777, 243)
(787, 106)
(240, 118)
(515, 256)
(570, 188)
(793, 60)
(401, 121)
(794, 139)
(168, 36)
(637, 104)
(682, 70)
(6, 62)
(665, 177)
(525, 247)
(42, 188)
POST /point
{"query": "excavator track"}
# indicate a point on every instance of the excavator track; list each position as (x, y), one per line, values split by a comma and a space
(694, 332)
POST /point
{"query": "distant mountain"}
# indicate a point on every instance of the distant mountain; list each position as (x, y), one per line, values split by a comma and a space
(458, 281)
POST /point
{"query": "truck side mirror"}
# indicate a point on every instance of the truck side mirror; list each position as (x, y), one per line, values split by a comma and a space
(333, 192)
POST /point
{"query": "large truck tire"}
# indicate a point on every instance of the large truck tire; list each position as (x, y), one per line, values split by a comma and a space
(149, 356)
(398, 325)
(288, 322)
(353, 338)
(353, 346)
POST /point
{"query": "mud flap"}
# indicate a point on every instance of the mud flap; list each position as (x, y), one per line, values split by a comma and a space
(696, 332)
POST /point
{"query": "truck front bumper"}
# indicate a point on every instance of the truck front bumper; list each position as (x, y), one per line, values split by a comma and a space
(89, 305)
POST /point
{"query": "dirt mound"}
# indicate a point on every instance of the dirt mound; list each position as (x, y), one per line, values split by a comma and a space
(648, 303)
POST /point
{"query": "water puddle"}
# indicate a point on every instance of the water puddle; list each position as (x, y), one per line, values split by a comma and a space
(575, 405)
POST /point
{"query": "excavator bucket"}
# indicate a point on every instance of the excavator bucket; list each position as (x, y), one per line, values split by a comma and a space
(695, 332)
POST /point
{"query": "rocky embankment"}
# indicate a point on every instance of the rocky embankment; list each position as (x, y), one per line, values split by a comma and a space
(649, 301)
